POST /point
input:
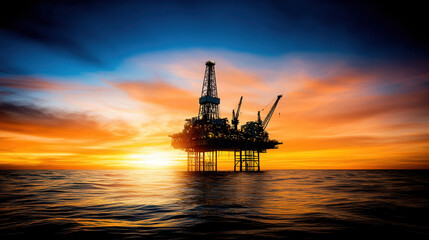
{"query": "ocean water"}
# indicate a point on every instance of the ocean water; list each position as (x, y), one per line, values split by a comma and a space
(289, 204)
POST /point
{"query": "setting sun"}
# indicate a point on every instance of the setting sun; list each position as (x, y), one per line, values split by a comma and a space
(152, 160)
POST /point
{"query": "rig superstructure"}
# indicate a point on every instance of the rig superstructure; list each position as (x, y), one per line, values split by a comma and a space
(207, 134)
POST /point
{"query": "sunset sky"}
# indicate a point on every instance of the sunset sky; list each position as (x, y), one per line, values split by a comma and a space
(101, 84)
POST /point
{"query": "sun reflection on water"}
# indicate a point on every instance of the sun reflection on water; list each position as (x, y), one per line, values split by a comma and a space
(226, 202)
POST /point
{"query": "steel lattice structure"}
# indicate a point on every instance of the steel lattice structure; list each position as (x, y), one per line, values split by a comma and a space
(209, 102)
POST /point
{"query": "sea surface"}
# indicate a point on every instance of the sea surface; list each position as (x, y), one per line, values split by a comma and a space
(289, 204)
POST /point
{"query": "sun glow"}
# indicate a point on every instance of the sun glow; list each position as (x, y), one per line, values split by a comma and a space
(152, 160)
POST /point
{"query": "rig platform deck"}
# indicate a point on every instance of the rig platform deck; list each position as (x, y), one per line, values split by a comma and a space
(207, 134)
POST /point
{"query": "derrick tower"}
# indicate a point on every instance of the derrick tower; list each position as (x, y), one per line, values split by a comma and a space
(209, 102)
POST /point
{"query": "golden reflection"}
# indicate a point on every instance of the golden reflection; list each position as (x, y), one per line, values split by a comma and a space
(118, 198)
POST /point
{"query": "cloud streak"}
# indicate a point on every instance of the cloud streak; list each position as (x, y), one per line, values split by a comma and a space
(36, 121)
(159, 93)
(33, 83)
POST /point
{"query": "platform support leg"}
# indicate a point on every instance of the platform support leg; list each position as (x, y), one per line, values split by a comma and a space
(259, 163)
(241, 161)
(199, 161)
(216, 160)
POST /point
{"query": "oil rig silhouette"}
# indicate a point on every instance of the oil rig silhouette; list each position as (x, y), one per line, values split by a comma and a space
(207, 134)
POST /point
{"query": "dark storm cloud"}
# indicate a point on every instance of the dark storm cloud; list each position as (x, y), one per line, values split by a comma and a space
(41, 21)
(30, 119)
(32, 83)
(8, 110)
(106, 32)
(384, 27)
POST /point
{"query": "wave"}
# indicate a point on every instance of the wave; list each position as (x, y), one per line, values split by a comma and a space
(298, 204)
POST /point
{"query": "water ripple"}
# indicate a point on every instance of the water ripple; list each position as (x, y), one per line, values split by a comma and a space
(312, 204)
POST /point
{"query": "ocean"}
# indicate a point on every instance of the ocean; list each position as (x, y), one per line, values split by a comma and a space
(278, 204)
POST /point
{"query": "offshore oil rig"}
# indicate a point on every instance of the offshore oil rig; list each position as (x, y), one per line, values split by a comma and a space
(205, 135)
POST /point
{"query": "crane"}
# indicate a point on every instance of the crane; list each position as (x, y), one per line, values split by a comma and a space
(264, 124)
(235, 115)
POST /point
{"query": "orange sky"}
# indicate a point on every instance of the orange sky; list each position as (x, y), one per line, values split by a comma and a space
(333, 115)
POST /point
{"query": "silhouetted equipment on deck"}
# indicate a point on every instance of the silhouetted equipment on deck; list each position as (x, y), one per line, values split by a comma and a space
(203, 136)
(235, 116)
(270, 114)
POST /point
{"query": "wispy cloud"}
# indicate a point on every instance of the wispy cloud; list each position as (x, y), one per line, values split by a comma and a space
(160, 93)
(32, 120)
(33, 83)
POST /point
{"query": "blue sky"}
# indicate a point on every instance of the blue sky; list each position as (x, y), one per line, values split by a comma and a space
(65, 38)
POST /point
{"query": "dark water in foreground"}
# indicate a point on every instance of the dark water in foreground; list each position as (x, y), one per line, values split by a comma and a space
(291, 204)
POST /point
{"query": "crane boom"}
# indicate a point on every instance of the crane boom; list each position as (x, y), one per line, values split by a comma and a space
(238, 108)
(270, 114)
(235, 115)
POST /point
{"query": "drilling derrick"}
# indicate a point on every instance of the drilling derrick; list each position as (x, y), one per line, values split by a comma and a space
(205, 135)
(209, 102)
